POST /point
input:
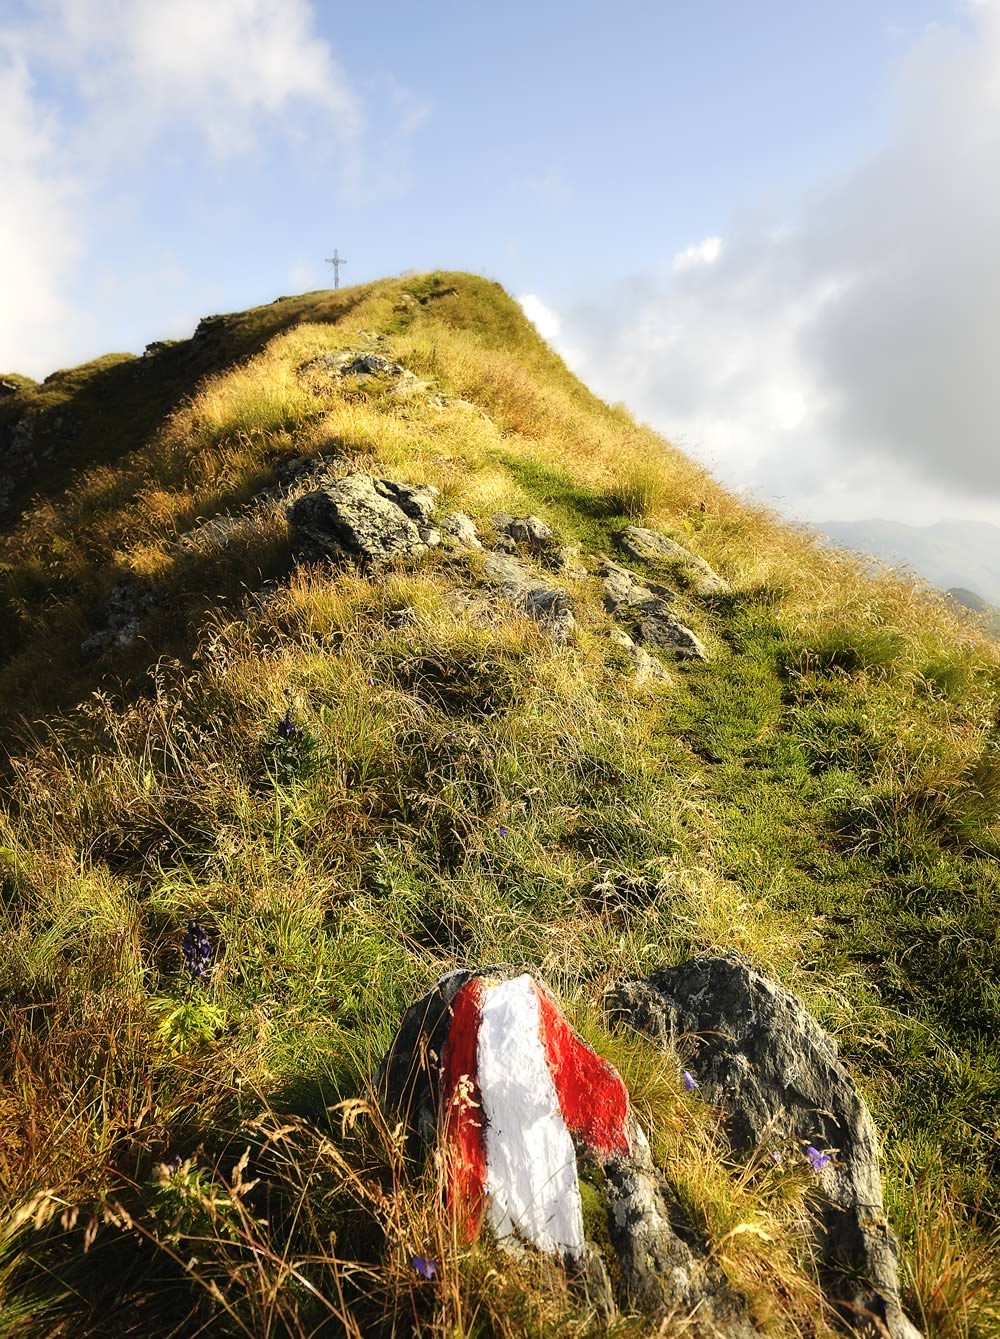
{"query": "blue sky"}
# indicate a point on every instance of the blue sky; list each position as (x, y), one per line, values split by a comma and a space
(700, 202)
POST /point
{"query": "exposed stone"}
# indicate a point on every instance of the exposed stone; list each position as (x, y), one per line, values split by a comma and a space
(129, 603)
(529, 531)
(643, 606)
(461, 528)
(646, 667)
(548, 605)
(472, 1072)
(660, 1271)
(761, 1057)
(373, 522)
(643, 544)
(301, 469)
(565, 560)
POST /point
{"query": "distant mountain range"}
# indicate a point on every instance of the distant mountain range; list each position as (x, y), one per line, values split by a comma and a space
(962, 557)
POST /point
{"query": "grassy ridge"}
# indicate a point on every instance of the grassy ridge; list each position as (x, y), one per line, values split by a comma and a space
(824, 795)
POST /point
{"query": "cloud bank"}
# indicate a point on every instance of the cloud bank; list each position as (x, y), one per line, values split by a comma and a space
(852, 353)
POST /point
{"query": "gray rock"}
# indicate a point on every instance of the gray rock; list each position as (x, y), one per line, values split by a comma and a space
(298, 470)
(659, 1272)
(462, 528)
(643, 607)
(645, 666)
(548, 605)
(129, 603)
(372, 522)
(20, 454)
(645, 545)
(761, 1057)
(566, 560)
(529, 532)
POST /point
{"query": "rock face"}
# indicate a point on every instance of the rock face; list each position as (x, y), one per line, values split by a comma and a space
(372, 522)
(462, 529)
(548, 605)
(760, 1056)
(128, 605)
(367, 367)
(487, 1067)
(529, 532)
(644, 545)
(645, 667)
(644, 608)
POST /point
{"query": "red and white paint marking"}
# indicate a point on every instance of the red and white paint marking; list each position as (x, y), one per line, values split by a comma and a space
(518, 1087)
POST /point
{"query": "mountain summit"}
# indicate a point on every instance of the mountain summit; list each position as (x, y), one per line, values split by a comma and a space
(420, 778)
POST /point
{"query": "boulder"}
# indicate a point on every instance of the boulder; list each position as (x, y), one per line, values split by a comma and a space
(651, 545)
(643, 607)
(548, 605)
(486, 1070)
(372, 522)
(462, 529)
(759, 1055)
(129, 603)
(645, 666)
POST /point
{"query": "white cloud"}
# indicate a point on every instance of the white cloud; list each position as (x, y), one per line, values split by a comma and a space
(541, 316)
(705, 252)
(87, 86)
(843, 361)
(39, 240)
(216, 66)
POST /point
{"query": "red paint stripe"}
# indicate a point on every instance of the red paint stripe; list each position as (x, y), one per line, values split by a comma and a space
(593, 1098)
(462, 1110)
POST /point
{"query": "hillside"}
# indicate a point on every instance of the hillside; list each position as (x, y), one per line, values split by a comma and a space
(355, 776)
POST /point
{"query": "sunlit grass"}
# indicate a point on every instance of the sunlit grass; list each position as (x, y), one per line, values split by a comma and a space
(822, 797)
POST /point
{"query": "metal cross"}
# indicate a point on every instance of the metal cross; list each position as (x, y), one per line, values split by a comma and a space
(336, 261)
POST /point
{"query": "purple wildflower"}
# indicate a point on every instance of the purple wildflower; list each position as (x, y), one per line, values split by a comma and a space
(819, 1160)
(690, 1082)
(502, 830)
(197, 949)
(424, 1266)
(287, 729)
(371, 682)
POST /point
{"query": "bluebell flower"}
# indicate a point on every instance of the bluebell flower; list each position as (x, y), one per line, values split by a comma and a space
(197, 950)
(287, 728)
(819, 1160)
(690, 1082)
(502, 830)
(424, 1266)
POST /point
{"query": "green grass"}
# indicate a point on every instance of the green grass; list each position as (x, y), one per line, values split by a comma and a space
(824, 796)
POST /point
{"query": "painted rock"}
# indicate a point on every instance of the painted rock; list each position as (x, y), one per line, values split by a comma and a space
(512, 1093)
(487, 1068)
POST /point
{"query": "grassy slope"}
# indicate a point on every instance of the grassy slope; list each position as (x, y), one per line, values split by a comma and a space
(824, 795)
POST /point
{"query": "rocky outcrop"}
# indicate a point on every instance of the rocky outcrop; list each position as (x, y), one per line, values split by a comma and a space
(643, 607)
(645, 667)
(367, 367)
(486, 1069)
(522, 532)
(524, 588)
(21, 453)
(129, 604)
(645, 545)
(367, 521)
(660, 1271)
(462, 529)
(758, 1054)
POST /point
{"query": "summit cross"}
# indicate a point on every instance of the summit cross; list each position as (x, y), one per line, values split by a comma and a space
(336, 261)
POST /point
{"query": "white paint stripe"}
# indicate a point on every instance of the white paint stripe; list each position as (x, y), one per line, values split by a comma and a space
(530, 1160)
